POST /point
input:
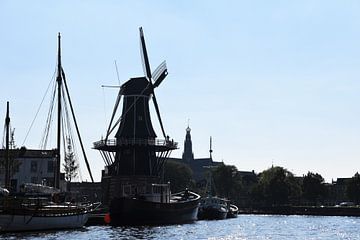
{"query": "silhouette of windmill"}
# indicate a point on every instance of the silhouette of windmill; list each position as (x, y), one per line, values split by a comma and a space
(135, 149)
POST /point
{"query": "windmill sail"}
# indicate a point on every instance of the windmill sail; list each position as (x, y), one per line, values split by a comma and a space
(160, 74)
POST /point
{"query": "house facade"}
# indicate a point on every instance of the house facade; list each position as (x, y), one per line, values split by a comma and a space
(29, 166)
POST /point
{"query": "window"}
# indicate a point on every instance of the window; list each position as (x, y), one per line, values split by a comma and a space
(33, 167)
(50, 166)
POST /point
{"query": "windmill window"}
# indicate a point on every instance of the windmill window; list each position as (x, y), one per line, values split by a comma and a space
(140, 118)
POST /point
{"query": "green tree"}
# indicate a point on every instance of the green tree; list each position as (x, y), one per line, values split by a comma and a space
(313, 187)
(227, 182)
(179, 175)
(277, 186)
(70, 166)
(353, 188)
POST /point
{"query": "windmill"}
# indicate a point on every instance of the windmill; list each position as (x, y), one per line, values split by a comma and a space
(136, 149)
(132, 180)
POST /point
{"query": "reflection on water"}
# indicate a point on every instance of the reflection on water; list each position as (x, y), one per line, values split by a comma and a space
(243, 227)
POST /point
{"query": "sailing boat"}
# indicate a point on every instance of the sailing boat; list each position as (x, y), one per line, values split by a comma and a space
(132, 183)
(41, 210)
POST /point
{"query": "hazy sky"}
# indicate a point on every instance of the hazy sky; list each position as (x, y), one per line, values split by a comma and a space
(273, 82)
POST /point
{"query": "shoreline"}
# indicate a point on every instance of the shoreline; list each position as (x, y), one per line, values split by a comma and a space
(304, 210)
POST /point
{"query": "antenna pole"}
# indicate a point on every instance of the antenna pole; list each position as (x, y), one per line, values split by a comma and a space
(117, 72)
(59, 82)
(210, 148)
(7, 155)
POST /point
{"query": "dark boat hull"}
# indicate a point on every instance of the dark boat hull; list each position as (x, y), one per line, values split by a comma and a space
(210, 213)
(132, 211)
(232, 214)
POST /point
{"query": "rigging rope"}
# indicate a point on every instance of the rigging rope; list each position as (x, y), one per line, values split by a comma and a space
(49, 120)
(68, 136)
(76, 126)
(38, 110)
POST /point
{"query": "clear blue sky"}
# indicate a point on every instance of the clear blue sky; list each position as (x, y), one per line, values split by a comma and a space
(274, 82)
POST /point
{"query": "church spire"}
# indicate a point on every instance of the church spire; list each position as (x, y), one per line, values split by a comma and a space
(188, 154)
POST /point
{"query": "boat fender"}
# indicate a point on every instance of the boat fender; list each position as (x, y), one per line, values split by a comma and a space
(107, 218)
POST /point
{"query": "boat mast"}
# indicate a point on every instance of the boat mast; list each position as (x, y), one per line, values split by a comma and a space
(59, 82)
(7, 155)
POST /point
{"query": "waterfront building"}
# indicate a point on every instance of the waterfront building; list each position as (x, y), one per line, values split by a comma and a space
(30, 166)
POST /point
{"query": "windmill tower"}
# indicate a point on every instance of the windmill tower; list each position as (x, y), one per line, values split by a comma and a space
(135, 155)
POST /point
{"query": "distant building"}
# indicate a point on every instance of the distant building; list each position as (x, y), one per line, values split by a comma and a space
(30, 166)
(86, 191)
(338, 190)
(197, 165)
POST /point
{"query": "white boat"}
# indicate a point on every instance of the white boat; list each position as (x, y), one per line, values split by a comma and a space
(37, 213)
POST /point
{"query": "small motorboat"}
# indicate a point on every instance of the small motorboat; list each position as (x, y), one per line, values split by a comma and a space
(212, 208)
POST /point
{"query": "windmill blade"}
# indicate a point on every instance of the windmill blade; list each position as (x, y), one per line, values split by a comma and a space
(113, 115)
(144, 56)
(147, 71)
(160, 74)
(158, 114)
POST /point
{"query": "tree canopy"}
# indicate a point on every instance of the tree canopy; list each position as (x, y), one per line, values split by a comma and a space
(276, 186)
(313, 187)
(226, 180)
(179, 175)
(70, 166)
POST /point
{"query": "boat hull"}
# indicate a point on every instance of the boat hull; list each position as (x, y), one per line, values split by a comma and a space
(16, 223)
(132, 211)
(232, 214)
(210, 213)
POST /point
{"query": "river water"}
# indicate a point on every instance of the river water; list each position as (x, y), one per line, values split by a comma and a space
(243, 227)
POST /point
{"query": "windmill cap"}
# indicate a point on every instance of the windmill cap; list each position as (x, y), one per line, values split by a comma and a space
(136, 86)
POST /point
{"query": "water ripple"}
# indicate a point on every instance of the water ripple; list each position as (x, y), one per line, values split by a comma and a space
(245, 227)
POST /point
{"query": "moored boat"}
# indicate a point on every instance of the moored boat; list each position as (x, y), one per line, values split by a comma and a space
(24, 213)
(38, 207)
(180, 208)
(213, 208)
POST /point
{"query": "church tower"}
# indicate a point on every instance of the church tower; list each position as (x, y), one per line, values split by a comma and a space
(188, 155)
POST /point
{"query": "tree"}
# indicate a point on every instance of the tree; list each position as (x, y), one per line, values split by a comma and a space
(313, 187)
(227, 182)
(179, 175)
(70, 166)
(276, 186)
(14, 153)
(353, 188)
